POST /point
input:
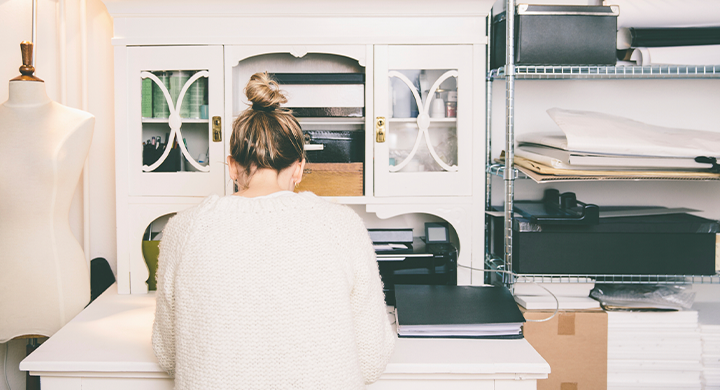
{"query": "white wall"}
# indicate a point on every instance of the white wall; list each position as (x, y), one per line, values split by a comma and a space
(76, 83)
(688, 104)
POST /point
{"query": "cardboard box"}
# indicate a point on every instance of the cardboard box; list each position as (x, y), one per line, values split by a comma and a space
(574, 343)
(332, 179)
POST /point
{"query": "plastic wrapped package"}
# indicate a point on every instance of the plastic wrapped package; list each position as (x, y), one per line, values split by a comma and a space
(643, 296)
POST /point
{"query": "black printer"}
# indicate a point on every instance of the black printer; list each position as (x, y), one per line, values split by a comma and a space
(561, 235)
(404, 259)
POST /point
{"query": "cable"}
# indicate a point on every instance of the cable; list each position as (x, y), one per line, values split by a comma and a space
(557, 302)
(7, 347)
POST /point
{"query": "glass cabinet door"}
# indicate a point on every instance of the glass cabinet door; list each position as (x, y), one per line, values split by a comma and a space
(423, 120)
(174, 135)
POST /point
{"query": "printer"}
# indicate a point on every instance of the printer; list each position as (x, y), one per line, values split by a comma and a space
(404, 259)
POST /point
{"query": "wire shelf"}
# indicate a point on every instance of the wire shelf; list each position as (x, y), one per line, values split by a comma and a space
(619, 279)
(499, 170)
(541, 72)
(493, 265)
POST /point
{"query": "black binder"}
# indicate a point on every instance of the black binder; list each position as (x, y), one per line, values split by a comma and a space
(457, 312)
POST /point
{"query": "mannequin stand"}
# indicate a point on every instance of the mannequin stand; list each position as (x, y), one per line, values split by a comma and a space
(31, 382)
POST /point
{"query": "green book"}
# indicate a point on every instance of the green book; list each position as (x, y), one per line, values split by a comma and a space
(147, 99)
(160, 103)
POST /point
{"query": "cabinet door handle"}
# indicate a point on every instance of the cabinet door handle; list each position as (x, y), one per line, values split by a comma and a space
(380, 129)
(217, 129)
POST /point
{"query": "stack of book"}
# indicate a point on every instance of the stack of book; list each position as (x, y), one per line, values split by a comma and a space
(654, 350)
(709, 319)
(456, 311)
(569, 294)
(596, 145)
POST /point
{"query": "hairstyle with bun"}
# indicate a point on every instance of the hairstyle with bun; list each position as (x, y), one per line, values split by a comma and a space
(266, 135)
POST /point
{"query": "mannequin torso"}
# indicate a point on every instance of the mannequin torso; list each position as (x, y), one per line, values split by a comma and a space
(44, 278)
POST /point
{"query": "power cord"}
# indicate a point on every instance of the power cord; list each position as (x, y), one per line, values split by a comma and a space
(557, 303)
(7, 347)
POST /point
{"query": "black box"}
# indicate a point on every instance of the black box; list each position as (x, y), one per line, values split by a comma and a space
(334, 146)
(671, 244)
(558, 35)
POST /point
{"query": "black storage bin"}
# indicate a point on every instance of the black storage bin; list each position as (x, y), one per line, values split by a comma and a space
(337, 146)
(672, 244)
(558, 35)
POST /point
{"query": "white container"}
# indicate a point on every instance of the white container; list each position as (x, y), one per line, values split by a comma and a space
(437, 108)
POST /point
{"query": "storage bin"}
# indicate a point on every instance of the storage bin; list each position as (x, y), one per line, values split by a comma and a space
(558, 35)
(672, 244)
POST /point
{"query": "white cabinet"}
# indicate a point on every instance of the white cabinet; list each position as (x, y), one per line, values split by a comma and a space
(426, 168)
(174, 95)
(423, 120)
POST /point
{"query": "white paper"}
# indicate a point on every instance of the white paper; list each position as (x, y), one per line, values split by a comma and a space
(595, 132)
(324, 95)
(562, 159)
(667, 13)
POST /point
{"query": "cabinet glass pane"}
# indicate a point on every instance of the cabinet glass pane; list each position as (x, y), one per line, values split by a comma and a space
(422, 129)
(175, 124)
(326, 93)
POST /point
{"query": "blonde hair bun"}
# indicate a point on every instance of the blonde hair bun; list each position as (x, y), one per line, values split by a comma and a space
(264, 92)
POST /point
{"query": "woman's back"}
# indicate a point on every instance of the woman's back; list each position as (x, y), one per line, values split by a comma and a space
(277, 292)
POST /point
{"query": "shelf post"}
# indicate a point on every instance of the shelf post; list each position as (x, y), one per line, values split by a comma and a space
(488, 136)
(509, 176)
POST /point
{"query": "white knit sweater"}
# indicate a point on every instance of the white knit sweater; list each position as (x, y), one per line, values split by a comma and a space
(270, 293)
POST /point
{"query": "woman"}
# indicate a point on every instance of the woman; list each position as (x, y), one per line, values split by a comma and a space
(269, 289)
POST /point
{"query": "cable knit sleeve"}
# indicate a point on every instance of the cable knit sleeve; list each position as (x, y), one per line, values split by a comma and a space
(374, 334)
(163, 336)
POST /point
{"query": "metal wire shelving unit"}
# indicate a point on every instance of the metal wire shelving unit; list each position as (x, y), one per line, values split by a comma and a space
(609, 72)
(510, 72)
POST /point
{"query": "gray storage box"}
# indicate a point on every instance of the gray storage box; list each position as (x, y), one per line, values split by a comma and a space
(558, 35)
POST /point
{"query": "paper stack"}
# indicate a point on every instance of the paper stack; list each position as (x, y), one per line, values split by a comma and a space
(603, 146)
(709, 319)
(571, 294)
(654, 350)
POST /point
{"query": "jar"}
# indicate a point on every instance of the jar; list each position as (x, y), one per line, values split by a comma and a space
(451, 105)
(451, 109)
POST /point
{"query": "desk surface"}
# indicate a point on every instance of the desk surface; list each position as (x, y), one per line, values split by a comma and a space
(112, 335)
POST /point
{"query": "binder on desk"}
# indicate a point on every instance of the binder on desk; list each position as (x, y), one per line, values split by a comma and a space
(457, 311)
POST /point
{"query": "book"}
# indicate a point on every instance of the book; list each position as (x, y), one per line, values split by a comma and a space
(547, 302)
(457, 311)
(541, 173)
(573, 288)
(566, 159)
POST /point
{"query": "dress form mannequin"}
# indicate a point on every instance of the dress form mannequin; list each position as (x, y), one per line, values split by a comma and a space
(44, 278)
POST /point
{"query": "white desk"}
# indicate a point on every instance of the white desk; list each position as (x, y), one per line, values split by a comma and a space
(107, 347)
